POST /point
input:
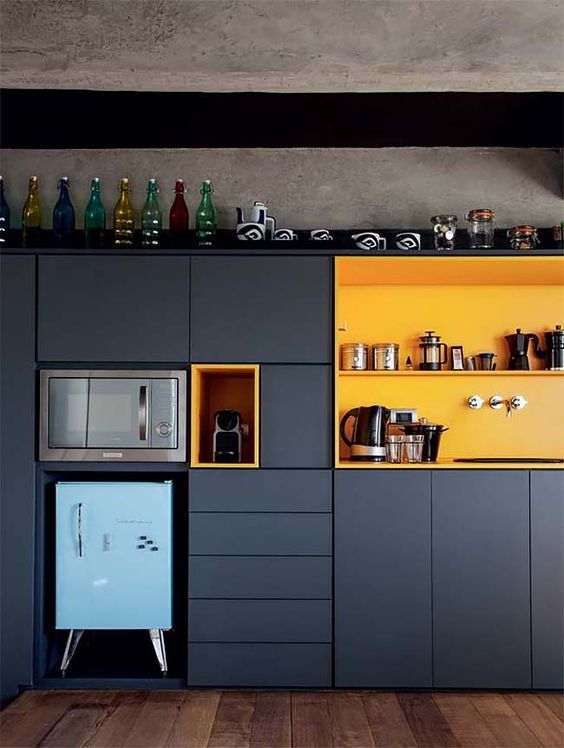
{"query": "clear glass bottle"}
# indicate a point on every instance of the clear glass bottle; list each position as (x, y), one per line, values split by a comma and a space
(31, 216)
(4, 215)
(63, 216)
(94, 217)
(151, 217)
(481, 228)
(206, 217)
(124, 217)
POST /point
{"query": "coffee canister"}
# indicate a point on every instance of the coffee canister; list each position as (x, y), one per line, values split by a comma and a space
(354, 357)
(385, 356)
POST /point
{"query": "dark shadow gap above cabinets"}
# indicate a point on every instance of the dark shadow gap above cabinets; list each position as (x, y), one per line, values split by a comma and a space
(124, 119)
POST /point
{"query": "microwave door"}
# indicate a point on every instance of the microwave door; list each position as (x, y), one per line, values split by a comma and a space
(68, 412)
(119, 413)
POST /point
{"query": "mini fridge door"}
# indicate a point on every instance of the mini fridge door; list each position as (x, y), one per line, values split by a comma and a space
(113, 555)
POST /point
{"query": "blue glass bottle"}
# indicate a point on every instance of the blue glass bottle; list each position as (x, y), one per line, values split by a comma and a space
(63, 216)
(4, 215)
(94, 217)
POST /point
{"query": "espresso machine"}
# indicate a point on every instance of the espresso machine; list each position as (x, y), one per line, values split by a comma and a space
(368, 441)
(555, 349)
(228, 435)
(518, 349)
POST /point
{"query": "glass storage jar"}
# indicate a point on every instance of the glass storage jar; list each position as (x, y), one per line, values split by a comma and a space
(523, 237)
(481, 228)
(444, 230)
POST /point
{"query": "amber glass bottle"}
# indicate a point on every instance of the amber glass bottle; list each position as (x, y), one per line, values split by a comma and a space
(124, 217)
(31, 216)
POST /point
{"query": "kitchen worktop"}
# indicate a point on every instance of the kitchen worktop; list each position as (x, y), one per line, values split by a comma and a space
(451, 465)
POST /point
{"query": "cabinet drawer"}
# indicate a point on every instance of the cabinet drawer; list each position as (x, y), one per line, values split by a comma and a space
(260, 490)
(293, 577)
(260, 534)
(265, 665)
(259, 621)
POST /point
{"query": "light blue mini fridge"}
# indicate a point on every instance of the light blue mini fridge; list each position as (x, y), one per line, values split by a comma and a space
(114, 560)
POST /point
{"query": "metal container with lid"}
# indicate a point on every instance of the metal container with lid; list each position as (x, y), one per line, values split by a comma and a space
(481, 228)
(354, 357)
(523, 237)
(385, 356)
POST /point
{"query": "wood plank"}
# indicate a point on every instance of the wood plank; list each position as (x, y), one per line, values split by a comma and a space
(387, 721)
(540, 720)
(311, 725)
(113, 731)
(48, 708)
(427, 723)
(193, 725)
(154, 722)
(272, 721)
(507, 727)
(555, 702)
(22, 703)
(75, 726)
(349, 723)
(464, 720)
(233, 721)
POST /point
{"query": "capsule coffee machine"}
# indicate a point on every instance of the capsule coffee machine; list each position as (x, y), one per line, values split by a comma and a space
(518, 349)
(228, 434)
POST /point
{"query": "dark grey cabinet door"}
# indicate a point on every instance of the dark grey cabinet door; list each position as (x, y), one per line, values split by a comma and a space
(17, 489)
(296, 416)
(113, 309)
(383, 578)
(481, 601)
(547, 578)
(261, 309)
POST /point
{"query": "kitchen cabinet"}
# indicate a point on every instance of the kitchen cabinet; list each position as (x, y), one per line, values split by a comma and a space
(296, 416)
(547, 578)
(17, 475)
(383, 579)
(261, 309)
(481, 601)
(113, 309)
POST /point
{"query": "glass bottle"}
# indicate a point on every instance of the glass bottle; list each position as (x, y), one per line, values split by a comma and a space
(31, 216)
(206, 217)
(4, 214)
(178, 218)
(151, 217)
(124, 217)
(63, 215)
(94, 217)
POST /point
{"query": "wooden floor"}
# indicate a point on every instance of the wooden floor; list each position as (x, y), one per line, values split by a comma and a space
(278, 719)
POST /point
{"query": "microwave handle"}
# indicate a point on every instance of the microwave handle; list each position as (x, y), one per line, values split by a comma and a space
(143, 413)
(80, 542)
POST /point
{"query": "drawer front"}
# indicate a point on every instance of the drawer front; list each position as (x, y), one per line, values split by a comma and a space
(259, 621)
(260, 665)
(292, 578)
(260, 490)
(260, 534)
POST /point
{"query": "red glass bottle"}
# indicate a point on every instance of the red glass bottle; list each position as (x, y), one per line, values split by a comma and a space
(178, 220)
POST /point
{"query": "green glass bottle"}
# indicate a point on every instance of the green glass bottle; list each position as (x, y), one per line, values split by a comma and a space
(94, 217)
(31, 216)
(124, 217)
(151, 217)
(206, 217)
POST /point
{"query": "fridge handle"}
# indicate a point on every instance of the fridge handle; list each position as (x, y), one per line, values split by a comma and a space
(79, 530)
(143, 413)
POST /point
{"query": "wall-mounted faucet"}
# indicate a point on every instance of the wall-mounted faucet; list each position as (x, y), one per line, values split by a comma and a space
(497, 402)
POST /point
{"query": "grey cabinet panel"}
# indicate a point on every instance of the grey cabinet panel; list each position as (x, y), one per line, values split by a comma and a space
(260, 534)
(260, 490)
(261, 309)
(17, 475)
(547, 578)
(383, 578)
(259, 621)
(113, 309)
(291, 577)
(481, 604)
(296, 416)
(268, 665)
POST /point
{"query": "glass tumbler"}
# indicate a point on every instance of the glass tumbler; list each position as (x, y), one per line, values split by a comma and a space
(413, 447)
(394, 448)
(481, 228)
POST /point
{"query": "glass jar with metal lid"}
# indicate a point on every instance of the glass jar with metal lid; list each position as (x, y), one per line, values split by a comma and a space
(354, 357)
(385, 356)
(523, 237)
(481, 228)
(444, 230)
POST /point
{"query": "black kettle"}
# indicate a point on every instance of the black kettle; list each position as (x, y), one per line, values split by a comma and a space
(368, 440)
(518, 348)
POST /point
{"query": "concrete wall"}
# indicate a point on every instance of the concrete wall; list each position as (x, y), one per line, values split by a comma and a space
(306, 188)
(284, 45)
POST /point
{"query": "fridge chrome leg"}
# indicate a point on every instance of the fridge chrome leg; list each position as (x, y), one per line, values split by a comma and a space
(73, 639)
(157, 638)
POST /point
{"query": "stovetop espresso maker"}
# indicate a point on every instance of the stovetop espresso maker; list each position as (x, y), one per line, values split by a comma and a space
(518, 349)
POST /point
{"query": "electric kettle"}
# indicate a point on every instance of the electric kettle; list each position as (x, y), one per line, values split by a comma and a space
(368, 440)
(518, 348)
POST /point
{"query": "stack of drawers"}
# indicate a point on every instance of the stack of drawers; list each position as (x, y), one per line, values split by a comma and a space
(260, 574)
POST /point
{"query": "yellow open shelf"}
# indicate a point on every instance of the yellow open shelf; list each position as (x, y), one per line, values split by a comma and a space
(224, 387)
(447, 373)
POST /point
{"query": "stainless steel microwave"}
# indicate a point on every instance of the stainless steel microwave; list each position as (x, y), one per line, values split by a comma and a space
(130, 416)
